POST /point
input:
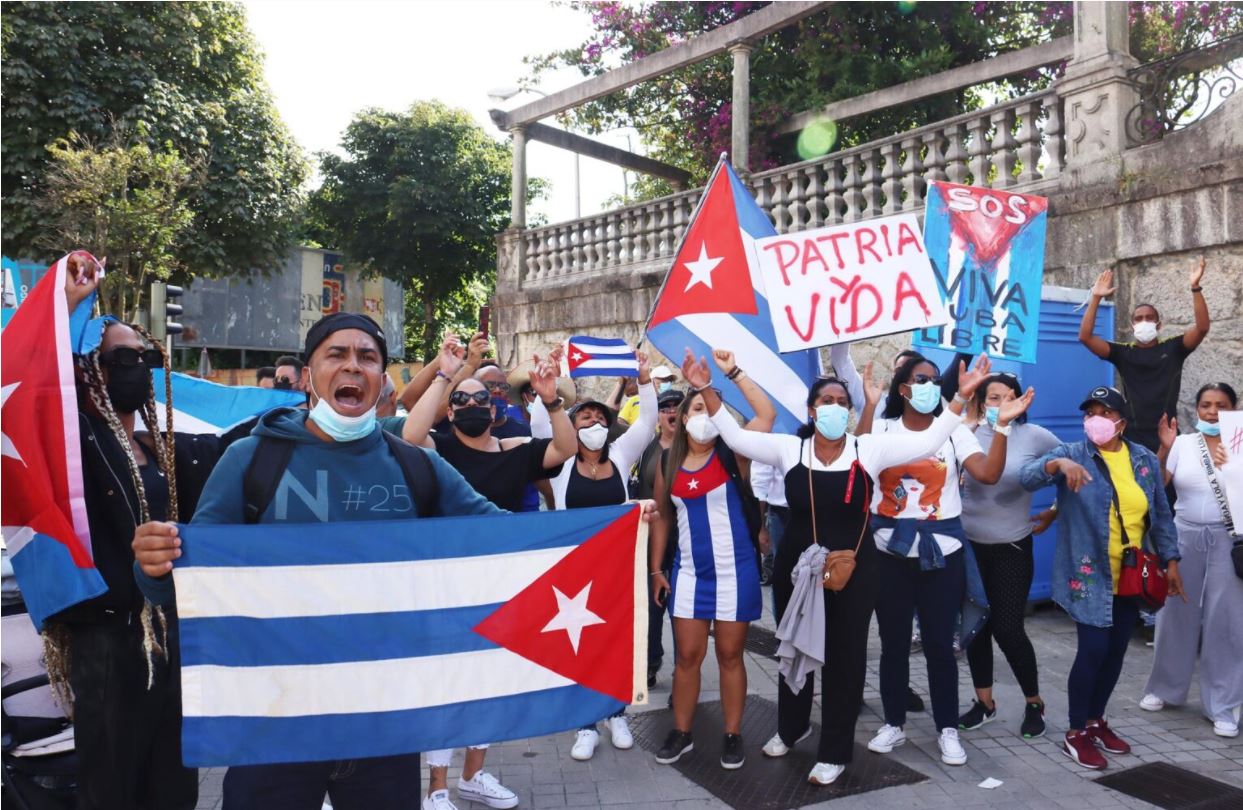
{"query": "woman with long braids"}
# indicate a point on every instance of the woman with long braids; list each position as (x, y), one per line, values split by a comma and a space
(829, 478)
(118, 655)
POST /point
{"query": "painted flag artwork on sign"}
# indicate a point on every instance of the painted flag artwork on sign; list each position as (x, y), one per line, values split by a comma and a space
(202, 406)
(987, 250)
(43, 505)
(600, 357)
(713, 298)
(415, 635)
(849, 282)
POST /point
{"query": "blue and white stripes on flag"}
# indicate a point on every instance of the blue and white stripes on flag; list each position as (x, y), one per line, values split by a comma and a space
(202, 406)
(311, 642)
(600, 357)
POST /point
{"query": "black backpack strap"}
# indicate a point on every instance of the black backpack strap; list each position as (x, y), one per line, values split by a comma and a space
(263, 474)
(420, 476)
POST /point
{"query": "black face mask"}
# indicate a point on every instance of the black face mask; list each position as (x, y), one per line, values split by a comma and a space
(128, 387)
(473, 421)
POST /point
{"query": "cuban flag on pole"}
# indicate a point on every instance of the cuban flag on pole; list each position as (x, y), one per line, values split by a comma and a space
(43, 509)
(413, 636)
(202, 406)
(600, 357)
(714, 297)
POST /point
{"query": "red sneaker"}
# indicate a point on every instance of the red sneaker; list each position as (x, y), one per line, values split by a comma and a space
(1079, 747)
(1104, 736)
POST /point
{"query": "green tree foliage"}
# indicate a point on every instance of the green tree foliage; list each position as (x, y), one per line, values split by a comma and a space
(186, 74)
(123, 203)
(419, 198)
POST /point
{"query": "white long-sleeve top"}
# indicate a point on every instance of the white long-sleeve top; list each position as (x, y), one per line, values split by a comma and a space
(767, 485)
(844, 368)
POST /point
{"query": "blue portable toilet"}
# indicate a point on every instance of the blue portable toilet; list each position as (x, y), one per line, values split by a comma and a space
(1064, 372)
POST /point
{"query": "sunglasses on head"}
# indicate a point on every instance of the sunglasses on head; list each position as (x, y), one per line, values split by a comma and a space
(919, 379)
(460, 398)
(125, 356)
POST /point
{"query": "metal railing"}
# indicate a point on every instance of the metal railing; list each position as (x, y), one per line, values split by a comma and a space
(1178, 91)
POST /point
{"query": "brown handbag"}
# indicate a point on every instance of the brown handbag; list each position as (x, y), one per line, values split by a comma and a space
(838, 565)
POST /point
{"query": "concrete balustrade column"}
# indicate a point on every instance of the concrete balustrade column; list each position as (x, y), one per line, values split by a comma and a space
(741, 118)
(518, 190)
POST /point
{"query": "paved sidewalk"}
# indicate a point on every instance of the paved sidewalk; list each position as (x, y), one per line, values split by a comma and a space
(1035, 774)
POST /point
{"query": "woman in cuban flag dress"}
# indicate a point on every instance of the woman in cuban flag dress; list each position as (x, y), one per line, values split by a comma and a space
(706, 507)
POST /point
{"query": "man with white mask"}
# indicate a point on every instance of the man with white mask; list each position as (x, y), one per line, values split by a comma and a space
(1151, 368)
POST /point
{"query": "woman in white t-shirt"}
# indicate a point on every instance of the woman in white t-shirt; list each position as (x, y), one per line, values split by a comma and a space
(926, 565)
(1211, 616)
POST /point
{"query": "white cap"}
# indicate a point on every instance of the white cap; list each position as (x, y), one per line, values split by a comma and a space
(662, 372)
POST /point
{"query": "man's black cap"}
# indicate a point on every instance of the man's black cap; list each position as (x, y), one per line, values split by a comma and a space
(670, 397)
(337, 321)
(1109, 397)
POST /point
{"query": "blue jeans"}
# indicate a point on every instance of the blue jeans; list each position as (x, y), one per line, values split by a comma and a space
(375, 783)
(1098, 663)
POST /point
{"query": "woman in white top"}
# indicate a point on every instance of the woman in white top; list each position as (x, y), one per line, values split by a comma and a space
(829, 474)
(1211, 616)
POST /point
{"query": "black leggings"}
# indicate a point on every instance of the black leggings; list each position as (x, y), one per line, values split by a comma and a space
(1006, 569)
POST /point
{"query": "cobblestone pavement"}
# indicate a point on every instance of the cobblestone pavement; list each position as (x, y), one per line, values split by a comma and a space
(1034, 774)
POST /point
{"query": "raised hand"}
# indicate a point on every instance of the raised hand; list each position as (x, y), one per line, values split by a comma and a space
(543, 379)
(477, 349)
(1167, 430)
(645, 367)
(696, 373)
(1197, 274)
(1220, 457)
(872, 390)
(724, 360)
(451, 353)
(1104, 286)
(1009, 411)
(82, 276)
(969, 381)
(555, 355)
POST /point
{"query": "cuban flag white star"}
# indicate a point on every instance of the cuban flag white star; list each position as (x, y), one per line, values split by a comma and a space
(572, 616)
(693, 484)
(7, 448)
(701, 269)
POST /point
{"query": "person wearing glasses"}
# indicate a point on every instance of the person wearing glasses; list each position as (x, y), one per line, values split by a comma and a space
(926, 565)
(500, 470)
(997, 519)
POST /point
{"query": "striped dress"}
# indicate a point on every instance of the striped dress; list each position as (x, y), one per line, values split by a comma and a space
(715, 570)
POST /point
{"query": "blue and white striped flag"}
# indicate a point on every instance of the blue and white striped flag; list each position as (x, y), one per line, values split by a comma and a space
(202, 406)
(600, 357)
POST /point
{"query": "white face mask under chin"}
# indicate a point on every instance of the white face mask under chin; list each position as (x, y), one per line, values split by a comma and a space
(701, 428)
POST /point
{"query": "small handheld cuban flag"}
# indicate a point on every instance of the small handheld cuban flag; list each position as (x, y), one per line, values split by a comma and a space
(600, 357)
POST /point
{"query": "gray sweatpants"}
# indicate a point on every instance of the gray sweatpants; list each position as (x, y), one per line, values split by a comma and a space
(1213, 613)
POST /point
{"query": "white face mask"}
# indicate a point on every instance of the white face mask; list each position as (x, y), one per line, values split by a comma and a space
(594, 437)
(701, 428)
(1145, 331)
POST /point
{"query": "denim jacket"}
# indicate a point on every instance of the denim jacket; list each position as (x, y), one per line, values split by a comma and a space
(1082, 580)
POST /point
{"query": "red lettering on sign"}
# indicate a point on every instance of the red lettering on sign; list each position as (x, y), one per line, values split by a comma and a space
(869, 236)
(907, 236)
(811, 320)
(833, 239)
(811, 254)
(906, 289)
(785, 261)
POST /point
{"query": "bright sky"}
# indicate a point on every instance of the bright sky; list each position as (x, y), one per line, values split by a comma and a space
(327, 59)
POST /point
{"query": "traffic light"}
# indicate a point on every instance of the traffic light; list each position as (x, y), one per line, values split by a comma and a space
(164, 309)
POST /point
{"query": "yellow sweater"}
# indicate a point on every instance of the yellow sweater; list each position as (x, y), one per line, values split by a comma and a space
(1134, 504)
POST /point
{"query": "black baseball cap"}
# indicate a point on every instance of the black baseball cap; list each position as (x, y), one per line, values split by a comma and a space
(337, 321)
(670, 397)
(1109, 397)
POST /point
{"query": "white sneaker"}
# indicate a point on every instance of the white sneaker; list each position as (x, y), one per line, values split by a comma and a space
(619, 733)
(888, 738)
(485, 789)
(1224, 729)
(585, 743)
(1151, 703)
(825, 773)
(439, 800)
(776, 748)
(952, 752)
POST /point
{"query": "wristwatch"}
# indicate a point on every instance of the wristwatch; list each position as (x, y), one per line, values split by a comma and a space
(554, 405)
(1003, 430)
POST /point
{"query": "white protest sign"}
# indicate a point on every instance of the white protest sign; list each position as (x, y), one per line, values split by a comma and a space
(849, 282)
(1231, 475)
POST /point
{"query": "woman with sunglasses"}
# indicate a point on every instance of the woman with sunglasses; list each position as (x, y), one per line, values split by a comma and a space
(926, 565)
(704, 500)
(499, 469)
(997, 519)
(829, 475)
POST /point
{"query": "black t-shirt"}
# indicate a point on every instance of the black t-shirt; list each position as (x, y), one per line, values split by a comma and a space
(582, 492)
(1151, 379)
(500, 477)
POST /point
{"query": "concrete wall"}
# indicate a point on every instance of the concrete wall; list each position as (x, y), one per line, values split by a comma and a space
(1164, 206)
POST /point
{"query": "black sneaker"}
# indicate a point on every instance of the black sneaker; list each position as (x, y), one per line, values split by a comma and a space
(914, 703)
(651, 675)
(1033, 721)
(731, 753)
(676, 744)
(977, 715)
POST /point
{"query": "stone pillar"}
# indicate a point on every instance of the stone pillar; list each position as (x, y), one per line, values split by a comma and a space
(1095, 93)
(518, 189)
(741, 119)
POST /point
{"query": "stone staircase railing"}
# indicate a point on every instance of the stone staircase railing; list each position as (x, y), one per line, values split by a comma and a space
(1010, 146)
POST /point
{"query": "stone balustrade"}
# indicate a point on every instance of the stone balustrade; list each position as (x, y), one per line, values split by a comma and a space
(1012, 145)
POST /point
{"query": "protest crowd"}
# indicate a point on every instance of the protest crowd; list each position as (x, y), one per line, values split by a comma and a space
(907, 498)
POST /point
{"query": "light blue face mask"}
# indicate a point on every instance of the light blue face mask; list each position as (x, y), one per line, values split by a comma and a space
(1209, 428)
(990, 414)
(831, 420)
(531, 406)
(665, 386)
(342, 428)
(925, 397)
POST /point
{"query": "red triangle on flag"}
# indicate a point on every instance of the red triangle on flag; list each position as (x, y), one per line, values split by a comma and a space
(991, 226)
(578, 618)
(710, 272)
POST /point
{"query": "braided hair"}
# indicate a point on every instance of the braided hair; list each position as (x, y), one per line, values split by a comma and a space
(55, 636)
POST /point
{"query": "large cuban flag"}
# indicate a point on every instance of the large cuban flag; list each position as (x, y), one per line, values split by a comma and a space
(413, 635)
(714, 297)
(202, 406)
